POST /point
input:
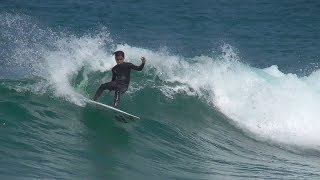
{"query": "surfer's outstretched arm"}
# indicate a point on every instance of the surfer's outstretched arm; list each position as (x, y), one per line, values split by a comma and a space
(139, 68)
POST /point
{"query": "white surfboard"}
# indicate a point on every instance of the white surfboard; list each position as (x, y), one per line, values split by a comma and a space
(118, 111)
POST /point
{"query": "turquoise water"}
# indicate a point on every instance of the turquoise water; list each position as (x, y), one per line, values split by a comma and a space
(230, 90)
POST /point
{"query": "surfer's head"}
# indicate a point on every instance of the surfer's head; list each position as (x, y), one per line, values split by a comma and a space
(119, 57)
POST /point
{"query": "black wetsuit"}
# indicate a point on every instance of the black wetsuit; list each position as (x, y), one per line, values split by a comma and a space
(120, 80)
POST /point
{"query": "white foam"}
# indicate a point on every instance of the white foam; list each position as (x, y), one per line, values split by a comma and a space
(271, 104)
(267, 102)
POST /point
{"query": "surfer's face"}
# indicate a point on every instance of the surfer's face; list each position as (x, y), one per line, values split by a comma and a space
(119, 59)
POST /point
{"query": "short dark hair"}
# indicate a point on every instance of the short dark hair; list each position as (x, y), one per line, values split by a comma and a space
(119, 53)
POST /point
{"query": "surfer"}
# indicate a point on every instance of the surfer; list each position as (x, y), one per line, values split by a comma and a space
(120, 77)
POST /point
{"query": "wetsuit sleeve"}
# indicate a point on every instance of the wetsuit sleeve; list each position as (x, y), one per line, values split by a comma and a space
(113, 75)
(138, 68)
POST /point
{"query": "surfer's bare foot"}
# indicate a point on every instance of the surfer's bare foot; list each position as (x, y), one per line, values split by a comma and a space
(116, 104)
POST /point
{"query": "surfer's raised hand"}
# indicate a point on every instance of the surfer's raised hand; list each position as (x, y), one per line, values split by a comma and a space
(143, 59)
